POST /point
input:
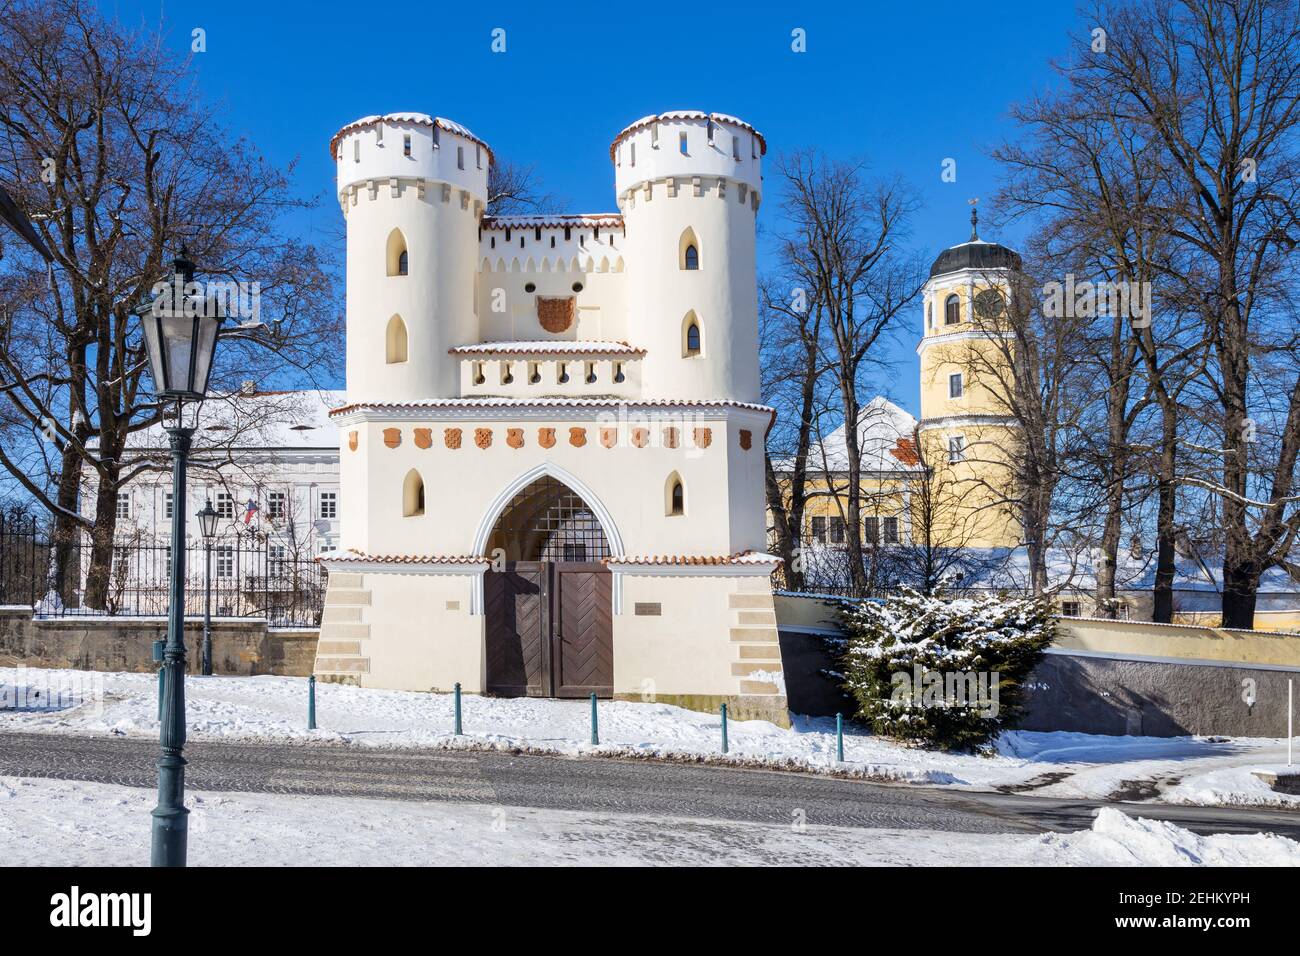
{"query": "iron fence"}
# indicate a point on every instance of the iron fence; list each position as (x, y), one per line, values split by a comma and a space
(247, 577)
(24, 559)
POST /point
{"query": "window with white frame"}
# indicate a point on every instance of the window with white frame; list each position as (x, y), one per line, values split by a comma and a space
(225, 561)
(225, 504)
(167, 504)
(329, 504)
(1070, 608)
(871, 530)
(275, 505)
(277, 561)
(124, 504)
(891, 531)
(955, 386)
(957, 448)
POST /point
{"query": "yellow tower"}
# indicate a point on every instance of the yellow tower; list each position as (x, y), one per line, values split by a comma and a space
(968, 439)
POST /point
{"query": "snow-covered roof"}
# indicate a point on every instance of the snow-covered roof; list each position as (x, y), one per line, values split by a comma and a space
(257, 420)
(1076, 570)
(416, 119)
(501, 402)
(607, 220)
(885, 437)
(547, 347)
(687, 115)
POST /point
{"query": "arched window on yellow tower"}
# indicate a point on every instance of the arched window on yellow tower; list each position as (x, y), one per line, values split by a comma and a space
(412, 494)
(952, 310)
(396, 254)
(688, 250)
(395, 341)
(674, 496)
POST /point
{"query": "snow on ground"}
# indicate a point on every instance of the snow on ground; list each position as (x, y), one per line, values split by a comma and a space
(1179, 769)
(72, 823)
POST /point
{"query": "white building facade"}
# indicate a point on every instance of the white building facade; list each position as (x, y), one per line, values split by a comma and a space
(552, 442)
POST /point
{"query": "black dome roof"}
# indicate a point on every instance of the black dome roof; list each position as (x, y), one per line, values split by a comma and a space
(975, 254)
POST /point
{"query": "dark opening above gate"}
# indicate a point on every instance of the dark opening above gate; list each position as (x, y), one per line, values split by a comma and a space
(548, 521)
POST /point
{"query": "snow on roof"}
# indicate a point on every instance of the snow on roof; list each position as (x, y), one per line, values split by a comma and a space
(281, 419)
(1076, 570)
(687, 115)
(416, 119)
(501, 402)
(606, 219)
(885, 434)
(546, 346)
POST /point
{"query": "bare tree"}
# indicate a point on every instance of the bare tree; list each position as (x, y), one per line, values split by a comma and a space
(844, 235)
(104, 145)
(515, 190)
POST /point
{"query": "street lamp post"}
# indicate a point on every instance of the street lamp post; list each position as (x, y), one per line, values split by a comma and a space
(180, 335)
(208, 522)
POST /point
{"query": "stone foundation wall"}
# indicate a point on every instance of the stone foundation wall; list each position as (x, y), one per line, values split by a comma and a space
(239, 647)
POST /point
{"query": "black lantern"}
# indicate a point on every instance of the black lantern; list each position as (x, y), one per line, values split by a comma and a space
(208, 521)
(180, 334)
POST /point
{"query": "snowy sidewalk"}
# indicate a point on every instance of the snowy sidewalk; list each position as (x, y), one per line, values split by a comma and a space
(1181, 769)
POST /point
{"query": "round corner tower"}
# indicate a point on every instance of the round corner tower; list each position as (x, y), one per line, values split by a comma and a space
(689, 186)
(412, 188)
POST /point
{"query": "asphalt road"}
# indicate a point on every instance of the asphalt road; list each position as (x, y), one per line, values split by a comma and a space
(589, 784)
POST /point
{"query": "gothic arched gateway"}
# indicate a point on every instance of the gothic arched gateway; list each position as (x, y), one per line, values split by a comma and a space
(547, 602)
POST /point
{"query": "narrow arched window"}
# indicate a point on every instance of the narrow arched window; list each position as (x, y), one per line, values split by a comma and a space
(690, 336)
(395, 341)
(413, 494)
(688, 251)
(675, 499)
(395, 254)
(952, 310)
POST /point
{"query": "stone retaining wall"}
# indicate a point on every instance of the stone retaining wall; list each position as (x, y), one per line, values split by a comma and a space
(240, 647)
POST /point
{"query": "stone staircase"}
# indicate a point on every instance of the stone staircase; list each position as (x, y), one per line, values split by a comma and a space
(341, 654)
(757, 662)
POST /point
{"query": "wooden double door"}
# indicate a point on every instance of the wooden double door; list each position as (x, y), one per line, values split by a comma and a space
(549, 630)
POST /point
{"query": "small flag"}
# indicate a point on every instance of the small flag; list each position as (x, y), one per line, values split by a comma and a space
(250, 511)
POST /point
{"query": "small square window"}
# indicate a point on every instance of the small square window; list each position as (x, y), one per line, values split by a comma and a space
(1070, 608)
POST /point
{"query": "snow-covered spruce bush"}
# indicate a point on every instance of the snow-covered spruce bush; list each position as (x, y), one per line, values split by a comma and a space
(945, 673)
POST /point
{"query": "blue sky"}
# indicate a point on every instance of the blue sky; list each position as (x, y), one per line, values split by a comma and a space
(904, 85)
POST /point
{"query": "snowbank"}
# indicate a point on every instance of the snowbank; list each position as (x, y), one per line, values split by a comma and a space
(275, 709)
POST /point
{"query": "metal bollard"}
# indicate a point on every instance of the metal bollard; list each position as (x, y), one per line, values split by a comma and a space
(839, 737)
(158, 647)
(595, 734)
(311, 702)
(724, 728)
(457, 731)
